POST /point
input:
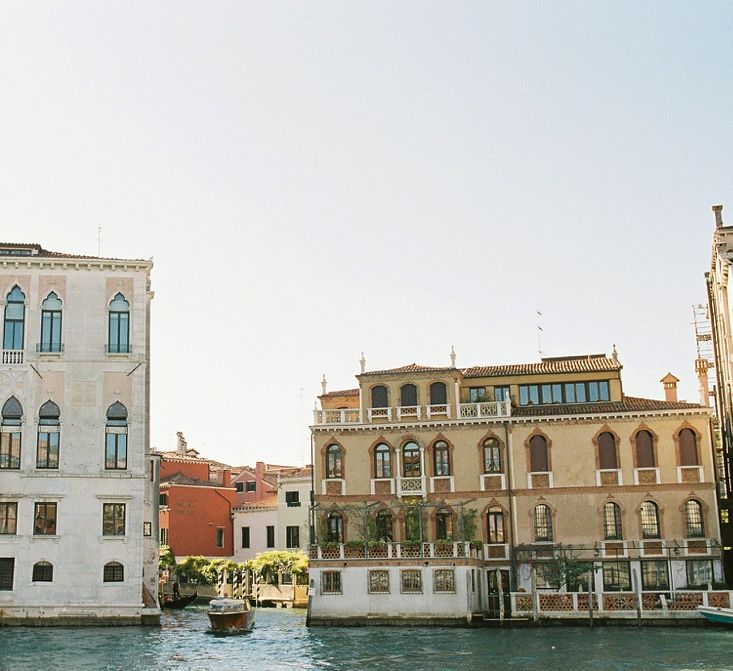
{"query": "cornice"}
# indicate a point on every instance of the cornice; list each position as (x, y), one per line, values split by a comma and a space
(50, 263)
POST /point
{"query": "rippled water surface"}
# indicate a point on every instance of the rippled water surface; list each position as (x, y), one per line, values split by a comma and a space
(280, 640)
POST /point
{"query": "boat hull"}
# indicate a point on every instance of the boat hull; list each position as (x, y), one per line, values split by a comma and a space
(243, 619)
(717, 615)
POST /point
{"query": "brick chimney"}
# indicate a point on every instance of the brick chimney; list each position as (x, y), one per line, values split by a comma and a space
(226, 477)
(181, 444)
(669, 382)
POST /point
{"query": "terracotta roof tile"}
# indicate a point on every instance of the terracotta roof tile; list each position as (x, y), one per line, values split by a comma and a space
(38, 251)
(410, 368)
(179, 478)
(628, 404)
(591, 363)
(343, 392)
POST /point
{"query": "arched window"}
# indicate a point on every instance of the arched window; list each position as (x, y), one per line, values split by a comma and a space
(411, 460)
(380, 397)
(612, 521)
(644, 444)
(688, 448)
(538, 457)
(50, 324)
(607, 453)
(438, 394)
(47, 449)
(492, 456)
(119, 325)
(693, 519)
(649, 520)
(12, 414)
(14, 319)
(335, 528)
(408, 395)
(441, 458)
(382, 461)
(384, 526)
(334, 462)
(116, 437)
(495, 525)
(444, 525)
(114, 572)
(42, 572)
(542, 523)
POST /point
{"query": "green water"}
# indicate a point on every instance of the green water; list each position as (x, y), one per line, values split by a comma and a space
(280, 640)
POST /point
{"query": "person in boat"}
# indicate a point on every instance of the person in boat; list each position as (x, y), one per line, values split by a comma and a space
(176, 590)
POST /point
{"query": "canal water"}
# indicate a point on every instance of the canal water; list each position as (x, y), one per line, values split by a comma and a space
(281, 641)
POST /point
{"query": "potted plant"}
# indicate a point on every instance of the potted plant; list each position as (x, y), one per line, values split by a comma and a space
(443, 547)
(354, 549)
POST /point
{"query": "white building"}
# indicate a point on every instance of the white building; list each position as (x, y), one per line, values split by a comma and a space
(278, 521)
(78, 486)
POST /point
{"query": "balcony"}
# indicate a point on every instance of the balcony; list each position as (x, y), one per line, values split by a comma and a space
(403, 550)
(13, 357)
(411, 486)
(413, 413)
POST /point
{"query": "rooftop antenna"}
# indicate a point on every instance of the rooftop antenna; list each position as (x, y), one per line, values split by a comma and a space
(300, 423)
(539, 334)
(99, 240)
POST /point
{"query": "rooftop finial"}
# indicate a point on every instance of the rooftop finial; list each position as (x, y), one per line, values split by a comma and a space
(323, 384)
(452, 357)
(614, 354)
(362, 362)
(718, 211)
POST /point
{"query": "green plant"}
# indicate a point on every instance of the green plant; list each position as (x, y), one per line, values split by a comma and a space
(354, 544)
(196, 570)
(167, 560)
(561, 570)
(444, 541)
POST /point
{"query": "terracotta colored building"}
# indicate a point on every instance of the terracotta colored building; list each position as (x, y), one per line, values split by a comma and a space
(196, 500)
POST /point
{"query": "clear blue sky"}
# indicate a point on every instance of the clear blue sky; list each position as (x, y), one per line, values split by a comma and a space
(317, 179)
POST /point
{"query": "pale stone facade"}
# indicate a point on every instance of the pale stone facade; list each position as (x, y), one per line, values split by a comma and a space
(78, 485)
(481, 479)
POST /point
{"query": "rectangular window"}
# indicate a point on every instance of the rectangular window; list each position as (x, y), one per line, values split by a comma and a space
(603, 391)
(44, 520)
(8, 518)
(292, 537)
(529, 394)
(10, 449)
(379, 582)
(569, 389)
(116, 451)
(580, 394)
(546, 394)
(579, 583)
(654, 576)
(270, 537)
(501, 393)
(476, 394)
(220, 537)
(444, 580)
(250, 486)
(556, 393)
(239, 486)
(616, 577)
(495, 521)
(593, 392)
(47, 455)
(7, 566)
(163, 536)
(245, 537)
(113, 519)
(699, 574)
(411, 581)
(163, 499)
(331, 582)
(292, 499)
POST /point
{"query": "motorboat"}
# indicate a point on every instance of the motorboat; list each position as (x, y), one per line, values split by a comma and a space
(226, 613)
(717, 615)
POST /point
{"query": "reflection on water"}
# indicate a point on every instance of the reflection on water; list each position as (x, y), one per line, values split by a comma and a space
(280, 640)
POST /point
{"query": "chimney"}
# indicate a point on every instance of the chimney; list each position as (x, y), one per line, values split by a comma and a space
(701, 368)
(324, 384)
(181, 444)
(226, 477)
(669, 382)
(718, 211)
(452, 357)
(362, 363)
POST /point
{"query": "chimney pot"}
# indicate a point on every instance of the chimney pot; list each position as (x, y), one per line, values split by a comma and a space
(718, 211)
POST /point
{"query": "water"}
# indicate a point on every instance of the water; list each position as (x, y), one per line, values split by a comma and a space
(281, 641)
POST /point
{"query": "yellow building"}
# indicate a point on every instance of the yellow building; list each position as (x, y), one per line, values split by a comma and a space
(443, 493)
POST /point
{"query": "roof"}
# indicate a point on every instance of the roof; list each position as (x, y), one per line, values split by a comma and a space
(410, 368)
(343, 392)
(628, 404)
(586, 363)
(33, 249)
(179, 478)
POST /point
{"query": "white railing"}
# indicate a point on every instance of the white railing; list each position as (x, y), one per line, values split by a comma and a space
(438, 410)
(448, 479)
(619, 479)
(340, 416)
(411, 486)
(374, 481)
(646, 476)
(408, 411)
(488, 477)
(12, 356)
(397, 550)
(696, 470)
(380, 413)
(485, 409)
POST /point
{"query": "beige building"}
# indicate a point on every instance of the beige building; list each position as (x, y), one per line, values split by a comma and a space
(445, 493)
(78, 485)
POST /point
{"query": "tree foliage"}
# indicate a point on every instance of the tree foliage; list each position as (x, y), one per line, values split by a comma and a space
(167, 560)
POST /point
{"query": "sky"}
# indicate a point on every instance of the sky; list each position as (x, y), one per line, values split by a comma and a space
(317, 179)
